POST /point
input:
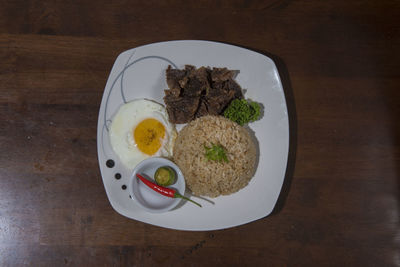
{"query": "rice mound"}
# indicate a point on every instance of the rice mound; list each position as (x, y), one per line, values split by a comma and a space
(208, 177)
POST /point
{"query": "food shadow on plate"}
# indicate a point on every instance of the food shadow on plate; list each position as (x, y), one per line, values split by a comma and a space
(292, 115)
(189, 194)
(255, 140)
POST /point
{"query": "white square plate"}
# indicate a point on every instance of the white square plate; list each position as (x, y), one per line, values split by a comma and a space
(140, 73)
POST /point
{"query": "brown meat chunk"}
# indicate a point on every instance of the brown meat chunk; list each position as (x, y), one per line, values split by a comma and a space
(181, 109)
(198, 92)
(173, 78)
(202, 110)
(221, 74)
(217, 103)
(195, 82)
(232, 85)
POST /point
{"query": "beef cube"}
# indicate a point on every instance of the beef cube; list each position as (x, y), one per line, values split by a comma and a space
(217, 103)
(232, 85)
(202, 110)
(221, 74)
(196, 83)
(173, 78)
(181, 109)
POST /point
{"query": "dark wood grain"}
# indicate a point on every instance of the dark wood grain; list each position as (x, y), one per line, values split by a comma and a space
(339, 63)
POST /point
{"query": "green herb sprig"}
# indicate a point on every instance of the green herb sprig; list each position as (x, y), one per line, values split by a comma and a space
(216, 153)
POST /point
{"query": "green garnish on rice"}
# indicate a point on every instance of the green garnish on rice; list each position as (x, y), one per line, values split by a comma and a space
(216, 153)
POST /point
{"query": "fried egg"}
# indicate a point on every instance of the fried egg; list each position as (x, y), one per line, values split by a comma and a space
(140, 129)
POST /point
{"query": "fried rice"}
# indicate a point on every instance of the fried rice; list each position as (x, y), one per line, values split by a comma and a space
(213, 178)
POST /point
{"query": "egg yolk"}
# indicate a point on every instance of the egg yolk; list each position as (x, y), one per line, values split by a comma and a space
(148, 135)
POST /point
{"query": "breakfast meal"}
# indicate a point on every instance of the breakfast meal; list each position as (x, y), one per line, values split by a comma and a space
(140, 129)
(215, 153)
(226, 173)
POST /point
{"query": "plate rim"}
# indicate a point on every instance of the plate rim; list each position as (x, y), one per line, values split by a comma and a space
(287, 141)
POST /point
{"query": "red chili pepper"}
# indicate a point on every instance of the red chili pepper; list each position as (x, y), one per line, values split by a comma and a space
(168, 192)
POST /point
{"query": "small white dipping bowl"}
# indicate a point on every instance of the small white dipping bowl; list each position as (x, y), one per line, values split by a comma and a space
(146, 197)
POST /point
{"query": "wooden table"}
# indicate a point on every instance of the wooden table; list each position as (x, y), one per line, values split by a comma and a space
(339, 63)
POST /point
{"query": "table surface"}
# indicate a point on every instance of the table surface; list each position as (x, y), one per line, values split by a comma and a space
(339, 64)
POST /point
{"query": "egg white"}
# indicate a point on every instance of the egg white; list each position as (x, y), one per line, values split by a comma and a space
(126, 119)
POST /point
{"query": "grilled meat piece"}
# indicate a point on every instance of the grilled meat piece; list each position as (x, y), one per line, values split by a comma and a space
(198, 92)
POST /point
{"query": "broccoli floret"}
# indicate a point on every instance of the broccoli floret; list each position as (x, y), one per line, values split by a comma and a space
(241, 111)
